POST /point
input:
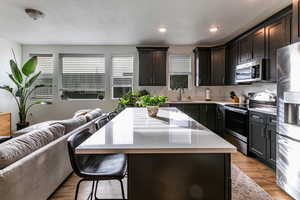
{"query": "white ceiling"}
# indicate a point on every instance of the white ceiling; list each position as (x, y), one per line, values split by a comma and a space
(132, 22)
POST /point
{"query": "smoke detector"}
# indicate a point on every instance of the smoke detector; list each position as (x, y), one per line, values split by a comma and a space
(34, 14)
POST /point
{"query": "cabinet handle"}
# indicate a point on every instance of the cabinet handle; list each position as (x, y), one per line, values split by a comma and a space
(263, 134)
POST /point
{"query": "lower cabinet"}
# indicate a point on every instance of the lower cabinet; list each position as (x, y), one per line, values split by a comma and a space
(220, 120)
(262, 137)
(205, 114)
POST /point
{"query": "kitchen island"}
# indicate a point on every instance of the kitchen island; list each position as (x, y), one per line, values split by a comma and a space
(169, 157)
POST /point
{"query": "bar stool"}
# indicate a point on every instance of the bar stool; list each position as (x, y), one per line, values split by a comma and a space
(101, 122)
(95, 167)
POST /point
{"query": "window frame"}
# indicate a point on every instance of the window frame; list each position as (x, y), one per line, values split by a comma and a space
(62, 55)
(52, 96)
(111, 74)
(179, 73)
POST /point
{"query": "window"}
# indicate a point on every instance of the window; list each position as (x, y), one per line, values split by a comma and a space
(45, 65)
(122, 75)
(83, 76)
(180, 71)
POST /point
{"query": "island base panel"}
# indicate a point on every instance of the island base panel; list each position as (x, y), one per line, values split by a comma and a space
(179, 176)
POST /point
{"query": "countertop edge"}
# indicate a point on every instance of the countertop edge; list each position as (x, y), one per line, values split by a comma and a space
(157, 151)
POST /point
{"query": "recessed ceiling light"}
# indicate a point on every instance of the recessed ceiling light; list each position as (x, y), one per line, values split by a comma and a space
(214, 29)
(34, 14)
(162, 30)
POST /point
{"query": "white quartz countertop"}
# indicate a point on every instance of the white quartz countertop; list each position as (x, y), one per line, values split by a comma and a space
(172, 131)
(201, 102)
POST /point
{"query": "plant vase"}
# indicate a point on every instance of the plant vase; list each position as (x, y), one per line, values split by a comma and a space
(152, 110)
(22, 125)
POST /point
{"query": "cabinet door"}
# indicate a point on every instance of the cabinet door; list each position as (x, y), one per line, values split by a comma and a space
(245, 53)
(145, 68)
(231, 63)
(203, 114)
(275, 40)
(211, 116)
(296, 21)
(257, 139)
(259, 44)
(271, 146)
(202, 66)
(159, 68)
(218, 66)
(220, 120)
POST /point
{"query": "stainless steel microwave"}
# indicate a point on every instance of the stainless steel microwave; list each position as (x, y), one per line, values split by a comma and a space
(250, 72)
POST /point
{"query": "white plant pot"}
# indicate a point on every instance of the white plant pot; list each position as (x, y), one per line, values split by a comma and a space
(152, 110)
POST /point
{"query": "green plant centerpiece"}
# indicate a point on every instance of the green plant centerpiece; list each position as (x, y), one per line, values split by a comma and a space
(24, 80)
(152, 103)
(130, 99)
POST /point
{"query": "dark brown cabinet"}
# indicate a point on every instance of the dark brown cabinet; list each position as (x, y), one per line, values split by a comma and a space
(232, 53)
(218, 66)
(220, 120)
(245, 50)
(257, 138)
(259, 44)
(278, 36)
(262, 137)
(296, 21)
(202, 66)
(152, 66)
(209, 66)
(205, 114)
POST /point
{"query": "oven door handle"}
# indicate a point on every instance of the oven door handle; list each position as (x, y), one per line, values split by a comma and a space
(236, 110)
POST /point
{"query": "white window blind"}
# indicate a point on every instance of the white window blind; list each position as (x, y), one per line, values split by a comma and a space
(180, 64)
(83, 76)
(180, 70)
(45, 65)
(122, 75)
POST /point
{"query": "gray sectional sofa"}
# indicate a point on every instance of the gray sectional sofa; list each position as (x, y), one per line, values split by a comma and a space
(36, 162)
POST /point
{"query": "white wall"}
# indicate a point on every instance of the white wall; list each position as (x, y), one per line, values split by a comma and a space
(7, 103)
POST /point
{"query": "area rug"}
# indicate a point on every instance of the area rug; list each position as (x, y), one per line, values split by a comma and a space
(243, 187)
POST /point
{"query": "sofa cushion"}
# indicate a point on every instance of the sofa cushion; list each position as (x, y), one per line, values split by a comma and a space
(81, 112)
(94, 114)
(18, 147)
(73, 123)
(33, 127)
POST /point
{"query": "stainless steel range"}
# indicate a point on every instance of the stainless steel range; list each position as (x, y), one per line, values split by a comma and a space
(288, 117)
(237, 118)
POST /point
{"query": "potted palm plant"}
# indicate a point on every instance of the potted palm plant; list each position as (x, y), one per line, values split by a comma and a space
(152, 103)
(24, 80)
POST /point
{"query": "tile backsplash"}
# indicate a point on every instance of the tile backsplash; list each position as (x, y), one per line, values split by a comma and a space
(217, 92)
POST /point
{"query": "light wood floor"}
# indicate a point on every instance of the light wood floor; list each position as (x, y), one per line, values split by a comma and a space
(261, 174)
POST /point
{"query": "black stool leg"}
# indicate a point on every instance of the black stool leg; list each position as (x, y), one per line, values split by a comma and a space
(92, 192)
(96, 198)
(122, 188)
(77, 188)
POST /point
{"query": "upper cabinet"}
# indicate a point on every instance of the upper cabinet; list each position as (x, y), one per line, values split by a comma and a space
(245, 53)
(202, 66)
(218, 66)
(232, 59)
(296, 21)
(259, 44)
(152, 66)
(209, 66)
(278, 35)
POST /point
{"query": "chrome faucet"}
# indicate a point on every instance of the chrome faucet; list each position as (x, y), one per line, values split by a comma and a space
(181, 91)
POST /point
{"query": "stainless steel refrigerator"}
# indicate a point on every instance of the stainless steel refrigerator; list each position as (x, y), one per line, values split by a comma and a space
(288, 116)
